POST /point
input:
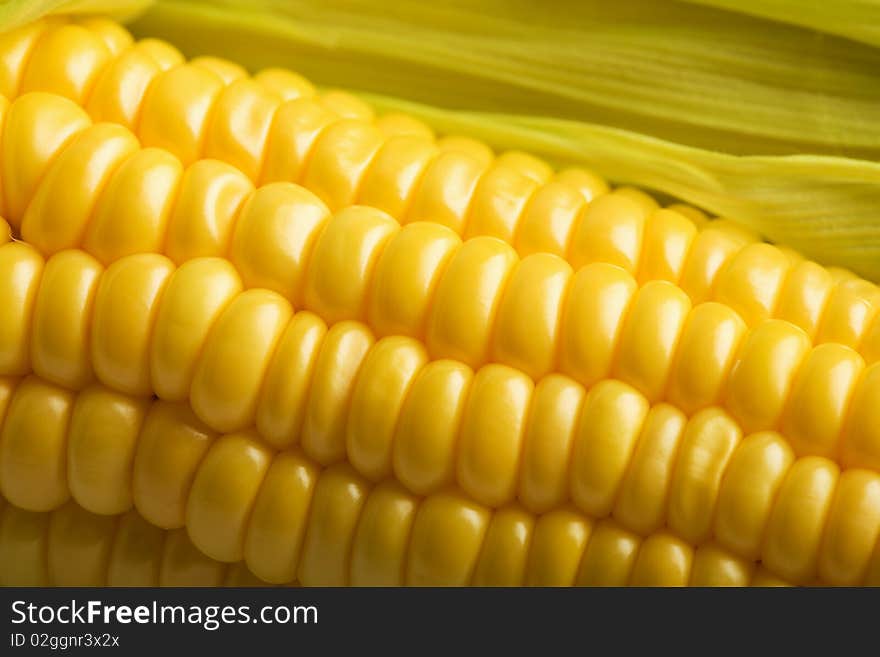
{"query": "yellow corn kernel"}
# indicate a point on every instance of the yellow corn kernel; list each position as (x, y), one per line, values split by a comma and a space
(239, 125)
(609, 426)
(183, 564)
(344, 258)
(33, 446)
(748, 490)
(609, 556)
(860, 443)
(445, 543)
(491, 434)
(379, 551)
(650, 336)
(116, 95)
(234, 359)
(277, 523)
(663, 560)
(752, 280)
(711, 250)
(506, 549)
(466, 301)
(101, 442)
(339, 360)
(176, 109)
(819, 399)
(59, 212)
(558, 544)
(49, 68)
(346, 105)
(598, 300)
(794, 530)
(498, 202)
(208, 202)
(223, 68)
(399, 305)
(473, 148)
(852, 528)
(527, 324)
(23, 536)
(548, 221)
(642, 500)
(851, 308)
(610, 230)
(62, 319)
(274, 233)
(383, 382)
(20, 270)
(804, 296)
(223, 494)
(282, 404)
(164, 54)
(391, 181)
(397, 124)
(706, 353)
(196, 295)
(715, 567)
(131, 215)
(765, 578)
(668, 239)
(547, 443)
(339, 161)
(709, 440)
(135, 557)
(336, 507)
(7, 387)
(645, 201)
(762, 376)
(43, 125)
(285, 84)
(298, 124)
(446, 188)
(79, 546)
(16, 48)
(125, 307)
(527, 165)
(425, 440)
(588, 184)
(172, 444)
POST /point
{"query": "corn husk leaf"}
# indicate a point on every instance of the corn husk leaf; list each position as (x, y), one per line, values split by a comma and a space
(15, 13)
(693, 75)
(858, 20)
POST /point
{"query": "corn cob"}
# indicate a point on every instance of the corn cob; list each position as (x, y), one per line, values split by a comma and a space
(211, 209)
(72, 322)
(332, 527)
(647, 469)
(71, 547)
(751, 280)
